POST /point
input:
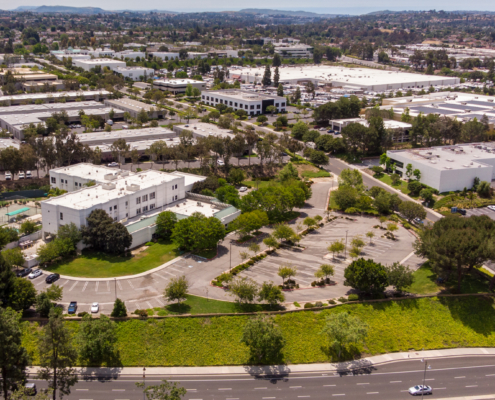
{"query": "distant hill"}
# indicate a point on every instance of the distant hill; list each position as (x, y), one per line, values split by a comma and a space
(287, 13)
(63, 9)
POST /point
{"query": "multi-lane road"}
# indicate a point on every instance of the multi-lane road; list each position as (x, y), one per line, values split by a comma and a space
(450, 378)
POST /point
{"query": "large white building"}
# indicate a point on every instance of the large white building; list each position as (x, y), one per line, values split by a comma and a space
(29, 98)
(352, 78)
(175, 86)
(252, 103)
(296, 51)
(102, 62)
(135, 73)
(134, 199)
(449, 168)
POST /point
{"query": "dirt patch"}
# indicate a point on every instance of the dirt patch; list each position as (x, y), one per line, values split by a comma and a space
(321, 180)
(305, 168)
(139, 250)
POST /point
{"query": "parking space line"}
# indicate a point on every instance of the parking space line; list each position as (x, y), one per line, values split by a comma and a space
(73, 286)
(97, 284)
(108, 286)
(119, 285)
(149, 304)
(64, 283)
(84, 287)
(130, 283)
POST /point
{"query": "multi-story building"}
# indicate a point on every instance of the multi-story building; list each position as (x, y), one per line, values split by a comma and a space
(175, 86)
(296, 51)
(252, 103)
(135, 73)
(102, 62)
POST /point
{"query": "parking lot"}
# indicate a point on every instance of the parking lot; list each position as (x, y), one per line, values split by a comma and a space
(480, 211)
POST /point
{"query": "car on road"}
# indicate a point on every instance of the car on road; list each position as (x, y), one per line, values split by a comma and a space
(8, 176)
(491, 208)
(95, 307)
(35, 274)
(243, 189)
(330, 131)
(30, 389)
(419, 390)
(322, 129)
(72, 307)
(220, 162)
(52, 278)
(418, 221)
(113, 164)
(29, 175)
(23, 272)
(21, 175)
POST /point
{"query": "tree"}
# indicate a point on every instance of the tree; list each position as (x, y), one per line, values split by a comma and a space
(119, 309)
(286, 271)
(13, 257)
(271, 242)
(96, 339)
(236, 176)
(344, 329)
(57, 356)
(244, 289)
(119, 150)
(164, 391)
(336, 247)
(484, 189)
(176, 289)
(309, 222)
(409, 171)
(399, 276)
(13, 356)
(318, 158)
(267, 77)
(261, 119)
(43, 304)
(412, 210)
(264, 339)
(283, 232)
(249, 222)
(288, 172)
(165, 223)
(366, 276)
(345, 197)
(271, 293)
(71, 232)
(426, 194)
(325, 271)
(28, 227)
(280, 90)
(417, 174)
(22, 296)
(277, 61)
(414, 187)
(370, 234)
(351, 178)
(299, 130)
(54, 292)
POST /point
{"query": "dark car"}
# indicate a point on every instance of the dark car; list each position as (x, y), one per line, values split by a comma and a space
(461, 211)
(52, 278)
(23, 272)
(72, 307)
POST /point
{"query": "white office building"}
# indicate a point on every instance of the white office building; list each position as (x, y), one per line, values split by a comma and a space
(449, 168)
(297, 51)
(252, 103)
(132, 55)
(135, 73)
(102, 62)
(175, 86)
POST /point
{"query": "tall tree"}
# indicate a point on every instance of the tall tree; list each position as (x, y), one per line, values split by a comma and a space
(264, 339)
(276, 78)
(343, 329)
(96, 339)
(57, 356)
(267, 77)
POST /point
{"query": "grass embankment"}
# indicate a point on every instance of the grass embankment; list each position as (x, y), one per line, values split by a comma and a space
(261, 184)
(459, 201)
(402, 187)
(92, 264)
(394, 326)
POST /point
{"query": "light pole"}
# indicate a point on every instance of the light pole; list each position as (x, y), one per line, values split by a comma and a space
(230, 251)
(345, 250)
(427, 366)
(144, 383)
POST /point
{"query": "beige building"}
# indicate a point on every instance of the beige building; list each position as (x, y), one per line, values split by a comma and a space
(133, 107)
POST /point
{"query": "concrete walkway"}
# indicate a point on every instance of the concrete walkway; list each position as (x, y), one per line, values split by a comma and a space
(286, 369)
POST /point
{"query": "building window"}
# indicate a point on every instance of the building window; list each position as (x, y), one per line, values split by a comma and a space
(152, 206)
(203, 97)
(283, 105)
(145, 198)
(176, 186)
(138, 200)
(235, 104)
(126, 215)
(114, 207)
(145, 208)
(152, 195)
(115, 218)
(126, 204)
(258, 106)
(216, 100)
(61, 216)
(138, 211)
(110, 209)
(230, 103)
(252, 107)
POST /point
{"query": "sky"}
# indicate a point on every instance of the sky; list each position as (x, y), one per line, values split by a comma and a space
(354, 7)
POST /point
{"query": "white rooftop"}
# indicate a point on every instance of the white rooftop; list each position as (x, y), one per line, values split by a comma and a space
(87, 171)
(35, 96)
(176, 82)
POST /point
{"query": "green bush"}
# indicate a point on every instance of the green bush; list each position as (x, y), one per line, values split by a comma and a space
(352, 210)
(407, 225)
(297, 304)
(318, 304)
(332, 301)
(82, 314)
(343, 299)
(141, 313)
(149, 243)
(309, 305)
(353, 297)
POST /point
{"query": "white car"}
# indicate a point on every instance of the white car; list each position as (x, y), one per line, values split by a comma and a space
(21, 175)
(419, 390)
(491, 208)
(95, 307)
(29, 175)
(220, 162)
(35, 274)
(113, 164)
(8, 176)
(242, 189)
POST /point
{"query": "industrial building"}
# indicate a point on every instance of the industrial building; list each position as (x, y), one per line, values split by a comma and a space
(135, 73)
(400, 129)
(448, 168)
(134, 107)
(49, 107)
(134, 199)
(30, 98)
(252, 103)
(366, 79)
(130, 54)
(176, 86)
(203, 129)
(170, 55)
(27, 75)
(101, 62)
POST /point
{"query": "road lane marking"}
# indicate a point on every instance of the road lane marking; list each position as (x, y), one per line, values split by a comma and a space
(268, 398)
(395, 381)
(329, 385)
(339, 394)
(73, 286)
(232, 398)
(439, 388)
(97, 284)
(367, 383)
(372, 393)
(260, 388)
(459, 377)
(82, 389)
(119, 285)
(490, 375)
(224, 388)
(430, 379)
(295, 387)
(84, 287)
(472, 386)
(130, 283)
(303, 396)
(118, 390)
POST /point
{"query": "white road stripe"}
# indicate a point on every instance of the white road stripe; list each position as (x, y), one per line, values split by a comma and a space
(84, 287)
(73, 286)
(97, 284)
(130, 283)
(119, 285)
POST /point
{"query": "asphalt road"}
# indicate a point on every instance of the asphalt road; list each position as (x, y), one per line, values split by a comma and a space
(453, 377)
(336, 166)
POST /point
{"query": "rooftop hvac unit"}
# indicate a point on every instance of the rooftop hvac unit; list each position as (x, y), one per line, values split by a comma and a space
(463, 103)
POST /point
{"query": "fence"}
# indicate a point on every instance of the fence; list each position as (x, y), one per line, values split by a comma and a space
(22, 194)
(33, 236)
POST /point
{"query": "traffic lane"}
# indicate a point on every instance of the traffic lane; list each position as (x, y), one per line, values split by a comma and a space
(449, 377)
(337, 166)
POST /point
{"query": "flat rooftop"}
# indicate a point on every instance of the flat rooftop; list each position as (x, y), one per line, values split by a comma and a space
(243, 95)
(175, 82)
(97, 61)
(51, 107)
(206, 129)
(74, 94)
(130, 135)
(388, 123)
(87, 171)
(130, 104)
(98, 194)
(459, 157)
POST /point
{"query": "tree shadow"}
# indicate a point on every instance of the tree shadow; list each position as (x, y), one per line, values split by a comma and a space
(177, 308)
(273, 373)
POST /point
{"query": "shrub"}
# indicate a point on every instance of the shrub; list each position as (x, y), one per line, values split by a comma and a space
(352, 210)
(313, 283)
(82, 314)
(149, 243)
(407, 225)
(353, 297)
(297, 304)
(309, 305)
(343, 299)
(141, 313)
(332, 301)
(318, 304)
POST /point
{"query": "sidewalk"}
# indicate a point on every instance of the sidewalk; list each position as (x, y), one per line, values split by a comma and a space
(287, 369)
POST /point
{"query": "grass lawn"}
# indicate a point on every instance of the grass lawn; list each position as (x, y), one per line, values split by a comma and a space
(402, 187)
(261, 184)
(92, 264)
(310, 171)
(393, 326)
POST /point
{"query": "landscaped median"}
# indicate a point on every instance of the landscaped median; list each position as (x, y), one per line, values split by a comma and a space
(397, 325)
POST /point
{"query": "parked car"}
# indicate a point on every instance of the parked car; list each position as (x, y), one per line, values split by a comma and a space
(23, 272)
(419, 390)
(72, 307)
(8, 176)
(330, 131)
(21, 175)
(113, 164)
(220, 162)
(31, 389)
(52, 278)
(243, 189)
(322, 129)
(125, 126)
(418, 220)
(491, 208)
(95, 307)
(35, 274)
(29, 174)
(461, 211)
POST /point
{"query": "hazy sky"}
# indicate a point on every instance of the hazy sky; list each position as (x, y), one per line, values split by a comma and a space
(322, 6)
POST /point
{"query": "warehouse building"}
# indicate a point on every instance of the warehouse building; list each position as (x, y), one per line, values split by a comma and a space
(26, 75)
(132, 55)
(399, 129)
(30, 98)
(365, 79)
(49, 107)
(448, 168)
(134, 107)
(135, 73)
(176, 86)
(101, 62)
(252, 103)
(204, 129)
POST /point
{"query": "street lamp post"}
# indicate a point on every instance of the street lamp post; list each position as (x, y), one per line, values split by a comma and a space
(427, 366)
(345, 250)
(144, 383)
